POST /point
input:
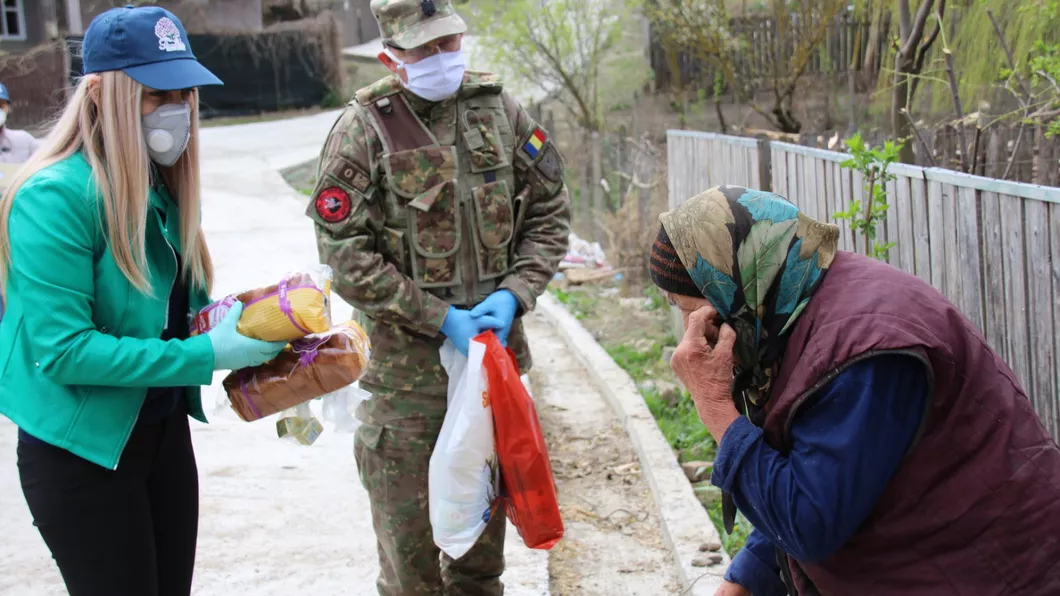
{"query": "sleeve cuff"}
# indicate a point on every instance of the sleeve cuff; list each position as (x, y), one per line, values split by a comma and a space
(757, 576)
(436, 310)
(200, 358)
(734, 446)
(522, 292)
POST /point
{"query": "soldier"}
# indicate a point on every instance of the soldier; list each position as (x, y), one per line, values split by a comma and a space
(16, 146)
(442, 209)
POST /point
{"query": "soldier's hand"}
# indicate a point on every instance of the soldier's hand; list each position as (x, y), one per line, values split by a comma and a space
(461, 327)
(502, 305)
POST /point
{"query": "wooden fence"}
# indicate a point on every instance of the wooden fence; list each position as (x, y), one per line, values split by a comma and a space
(845, 47)
(991, 247)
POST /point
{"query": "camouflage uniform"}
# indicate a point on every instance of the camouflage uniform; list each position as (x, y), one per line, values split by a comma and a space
(420, 206)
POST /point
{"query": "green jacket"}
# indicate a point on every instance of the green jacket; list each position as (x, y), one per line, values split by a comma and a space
(79, 344)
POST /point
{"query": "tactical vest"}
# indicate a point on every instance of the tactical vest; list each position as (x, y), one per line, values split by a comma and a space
(450, 210)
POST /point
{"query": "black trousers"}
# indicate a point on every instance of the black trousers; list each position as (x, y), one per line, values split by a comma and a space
(126, 532)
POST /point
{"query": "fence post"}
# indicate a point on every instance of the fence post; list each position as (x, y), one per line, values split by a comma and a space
(765, 164)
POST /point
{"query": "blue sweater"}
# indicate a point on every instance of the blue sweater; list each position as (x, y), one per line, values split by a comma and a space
(847, 442)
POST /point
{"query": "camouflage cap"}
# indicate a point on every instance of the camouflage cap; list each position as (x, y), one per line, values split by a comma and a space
(412, 23)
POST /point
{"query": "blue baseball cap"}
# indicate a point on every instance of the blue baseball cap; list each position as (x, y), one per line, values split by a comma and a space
(147, 43)
(3, 93)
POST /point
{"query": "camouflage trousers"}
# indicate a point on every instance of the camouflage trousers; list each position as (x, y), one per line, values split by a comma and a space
(392, 460)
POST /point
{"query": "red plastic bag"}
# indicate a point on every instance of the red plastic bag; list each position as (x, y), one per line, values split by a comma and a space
(530, 490)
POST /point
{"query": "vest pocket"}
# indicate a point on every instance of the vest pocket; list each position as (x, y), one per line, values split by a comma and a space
(434, 228)
(482, 137)
(424, 182)
(494, 226)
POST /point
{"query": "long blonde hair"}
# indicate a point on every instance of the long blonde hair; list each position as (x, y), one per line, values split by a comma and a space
(103, 122)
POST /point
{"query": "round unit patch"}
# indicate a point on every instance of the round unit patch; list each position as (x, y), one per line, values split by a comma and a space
(333, 204)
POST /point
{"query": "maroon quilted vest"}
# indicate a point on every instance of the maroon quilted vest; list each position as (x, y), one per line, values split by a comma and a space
(974, 508)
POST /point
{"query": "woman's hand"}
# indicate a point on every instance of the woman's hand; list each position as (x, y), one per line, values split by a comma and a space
(731, 589)
(706, 369)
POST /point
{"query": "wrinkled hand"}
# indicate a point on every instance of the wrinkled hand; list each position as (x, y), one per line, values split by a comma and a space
(461, 327)
(730, 589)
(233, 350)
(501, 305)
(703, 362)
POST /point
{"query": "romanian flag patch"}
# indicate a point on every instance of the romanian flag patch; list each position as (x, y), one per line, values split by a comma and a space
(535, 143)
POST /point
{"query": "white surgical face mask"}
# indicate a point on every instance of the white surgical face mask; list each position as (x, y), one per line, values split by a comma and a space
(436, 77)
(3, 117)
(167, 131)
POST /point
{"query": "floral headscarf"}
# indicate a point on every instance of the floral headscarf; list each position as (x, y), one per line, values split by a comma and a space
(757, 259)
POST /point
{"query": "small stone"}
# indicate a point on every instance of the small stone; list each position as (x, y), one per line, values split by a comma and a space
(701, 561)
(697, 471)
(713, 546)
(714, 559)
(669, 393)
(668, 354)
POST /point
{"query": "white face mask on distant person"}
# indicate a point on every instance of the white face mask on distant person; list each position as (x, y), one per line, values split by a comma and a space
(167, 131)
(436, 77)
(3, 117)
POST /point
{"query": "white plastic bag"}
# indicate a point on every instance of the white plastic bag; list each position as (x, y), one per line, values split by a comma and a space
(463, 474)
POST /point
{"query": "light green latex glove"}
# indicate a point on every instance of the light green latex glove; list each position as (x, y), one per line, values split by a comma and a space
(233, 351)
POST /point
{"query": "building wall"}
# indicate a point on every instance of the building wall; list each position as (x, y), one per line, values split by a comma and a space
(198, 16)
(35, 33)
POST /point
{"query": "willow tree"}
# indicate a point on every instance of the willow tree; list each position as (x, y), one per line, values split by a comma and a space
(792, 33)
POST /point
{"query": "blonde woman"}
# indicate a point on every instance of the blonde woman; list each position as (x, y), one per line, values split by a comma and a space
(102, 260)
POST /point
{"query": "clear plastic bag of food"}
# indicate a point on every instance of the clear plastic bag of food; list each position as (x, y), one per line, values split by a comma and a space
(299, 425)
(309, 368)
(339, 408)
(297, 306)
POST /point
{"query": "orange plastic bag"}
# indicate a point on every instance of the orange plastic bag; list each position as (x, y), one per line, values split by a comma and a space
(530, 490)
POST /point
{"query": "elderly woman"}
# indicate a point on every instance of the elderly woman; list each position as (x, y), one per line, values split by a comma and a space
(865, 429)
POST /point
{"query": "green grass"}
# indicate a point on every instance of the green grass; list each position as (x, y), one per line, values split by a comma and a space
(740, 530)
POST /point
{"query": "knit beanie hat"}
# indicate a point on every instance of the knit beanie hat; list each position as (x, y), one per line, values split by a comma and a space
(667, 271)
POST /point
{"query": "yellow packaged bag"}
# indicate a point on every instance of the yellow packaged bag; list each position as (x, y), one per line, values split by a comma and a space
(297, 306)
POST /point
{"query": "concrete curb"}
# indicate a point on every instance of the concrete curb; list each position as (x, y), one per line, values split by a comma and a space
(685, 523)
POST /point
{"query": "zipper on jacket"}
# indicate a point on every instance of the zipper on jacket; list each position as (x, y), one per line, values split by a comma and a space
(169, 295)
(468, 267)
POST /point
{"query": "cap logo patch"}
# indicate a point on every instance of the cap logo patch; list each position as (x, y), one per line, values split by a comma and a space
(427, 6)
(169, 36)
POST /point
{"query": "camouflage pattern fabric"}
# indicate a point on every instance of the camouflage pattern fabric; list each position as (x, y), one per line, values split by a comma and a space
(413, 23)
(426, 229)
(392, 462)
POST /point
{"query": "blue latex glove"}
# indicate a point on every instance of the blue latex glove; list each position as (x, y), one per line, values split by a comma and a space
(501, 305)
(233, 351)
(460, 327)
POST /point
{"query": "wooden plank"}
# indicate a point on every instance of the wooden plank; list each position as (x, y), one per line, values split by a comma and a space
(937, 236)
(840, 200)
(951, 248)
(809, 198)
(822, 183)
(779, 172)
(858, 193)
(1040, 298)
(994, 272)
(1016, 319)
(921, 238)
(970, 261)
(904, 213)
(1054, 242)
(793, 177)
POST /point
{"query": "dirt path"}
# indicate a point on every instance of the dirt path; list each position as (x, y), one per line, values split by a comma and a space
(612, 544)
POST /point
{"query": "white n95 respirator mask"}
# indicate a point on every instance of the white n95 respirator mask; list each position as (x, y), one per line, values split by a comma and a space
(167, 131)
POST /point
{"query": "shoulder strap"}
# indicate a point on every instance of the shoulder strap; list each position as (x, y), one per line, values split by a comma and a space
(398, 126)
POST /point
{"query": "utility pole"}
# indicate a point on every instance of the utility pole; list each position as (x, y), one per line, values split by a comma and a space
(73, 17)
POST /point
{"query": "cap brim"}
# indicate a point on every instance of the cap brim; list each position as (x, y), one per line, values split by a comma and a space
(173, 75)
(430, 30)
